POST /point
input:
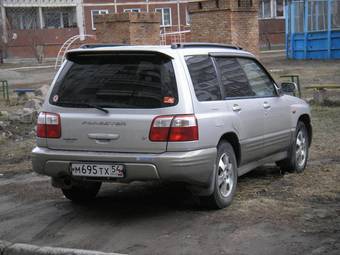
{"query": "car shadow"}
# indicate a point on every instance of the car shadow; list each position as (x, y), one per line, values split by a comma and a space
(150, 198)
(269, 171)
(137, 200)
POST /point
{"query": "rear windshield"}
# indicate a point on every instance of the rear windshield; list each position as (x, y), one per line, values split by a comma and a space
(123, 80)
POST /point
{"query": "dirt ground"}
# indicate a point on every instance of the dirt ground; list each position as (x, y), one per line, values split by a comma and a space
(311, 72)
(273, 213)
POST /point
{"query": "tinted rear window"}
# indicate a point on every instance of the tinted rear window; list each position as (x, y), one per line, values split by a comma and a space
(124, 80)
(204, 78)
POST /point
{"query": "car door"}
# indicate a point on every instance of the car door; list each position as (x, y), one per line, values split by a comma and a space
(277, 122)
(247, 110)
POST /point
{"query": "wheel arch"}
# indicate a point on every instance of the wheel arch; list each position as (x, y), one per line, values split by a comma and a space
(305, 119)
(232, 138)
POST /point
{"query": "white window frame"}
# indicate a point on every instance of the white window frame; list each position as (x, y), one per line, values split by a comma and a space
(162, 18)
(262, 10)
(132, 10)
(272, 10)
(100, 12)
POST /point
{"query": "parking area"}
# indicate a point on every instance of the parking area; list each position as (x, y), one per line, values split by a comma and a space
(290, 214)
(273, 212)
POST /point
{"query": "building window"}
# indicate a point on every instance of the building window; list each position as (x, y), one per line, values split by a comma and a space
(265, 9)
(279, 6)
(95, 13)
(245, 3)
(132, 10)
(271, 9)
(59, 17)
(22, 18)
(166, 16)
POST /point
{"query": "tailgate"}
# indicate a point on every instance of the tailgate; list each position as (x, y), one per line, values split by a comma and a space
(94, 131)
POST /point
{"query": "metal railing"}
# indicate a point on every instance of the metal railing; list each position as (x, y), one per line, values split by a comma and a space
(174, 37)
(65, 47)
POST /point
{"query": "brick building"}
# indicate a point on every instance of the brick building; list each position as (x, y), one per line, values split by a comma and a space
(31, 28)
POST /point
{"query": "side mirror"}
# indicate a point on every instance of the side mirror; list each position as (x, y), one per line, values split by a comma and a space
(289, 88)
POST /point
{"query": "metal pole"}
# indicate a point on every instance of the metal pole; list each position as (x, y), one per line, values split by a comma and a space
(292, 35)
(115, 6)
(305, 28)
(4, 26)
(287, 28)
(329, 28)
(41, 19)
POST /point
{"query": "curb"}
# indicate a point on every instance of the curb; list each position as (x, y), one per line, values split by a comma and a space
(7, 248)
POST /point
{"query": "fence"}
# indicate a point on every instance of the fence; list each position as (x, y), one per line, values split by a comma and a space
(313, 29)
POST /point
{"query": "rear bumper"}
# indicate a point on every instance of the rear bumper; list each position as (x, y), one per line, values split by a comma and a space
(192, 167)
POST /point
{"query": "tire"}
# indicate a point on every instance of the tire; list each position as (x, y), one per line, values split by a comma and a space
(225, 178)
(298, 153)
(82, 192)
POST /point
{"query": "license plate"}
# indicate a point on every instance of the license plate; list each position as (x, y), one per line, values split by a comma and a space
(98, 170)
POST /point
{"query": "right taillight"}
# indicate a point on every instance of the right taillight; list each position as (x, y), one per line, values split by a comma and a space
(178, 128)
(48, 125)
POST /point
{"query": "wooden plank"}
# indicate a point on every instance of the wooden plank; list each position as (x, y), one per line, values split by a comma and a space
(323, 86)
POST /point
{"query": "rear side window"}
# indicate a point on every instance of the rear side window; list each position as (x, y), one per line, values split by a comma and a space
(116, 80)
(234, 80)
(204, 78)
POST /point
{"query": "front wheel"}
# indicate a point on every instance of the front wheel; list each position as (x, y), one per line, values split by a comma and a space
(225, 178)
(82, 192)
(298, 153)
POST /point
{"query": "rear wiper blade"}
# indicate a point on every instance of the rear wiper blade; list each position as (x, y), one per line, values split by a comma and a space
(84, 105)
(97, 107)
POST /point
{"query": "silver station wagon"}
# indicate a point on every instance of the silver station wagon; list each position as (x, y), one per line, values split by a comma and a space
(195, 113)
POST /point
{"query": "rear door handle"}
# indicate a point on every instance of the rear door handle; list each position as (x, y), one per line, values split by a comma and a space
(97, 136)
(266, 105)
(236, 108)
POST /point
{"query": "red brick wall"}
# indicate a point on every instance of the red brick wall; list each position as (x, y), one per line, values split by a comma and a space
(224, 21)
(272, 31)
(50, 39)
(213, 26)
(245, 30)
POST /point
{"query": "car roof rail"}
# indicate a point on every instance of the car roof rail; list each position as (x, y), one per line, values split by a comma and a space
(199, 44)
(100, 45)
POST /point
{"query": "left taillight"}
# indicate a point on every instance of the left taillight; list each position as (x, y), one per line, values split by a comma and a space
(48, 125)
(174, 128)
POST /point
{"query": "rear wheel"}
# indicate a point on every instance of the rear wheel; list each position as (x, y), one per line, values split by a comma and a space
(82, 192)
(298, 154)
(225, 178)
